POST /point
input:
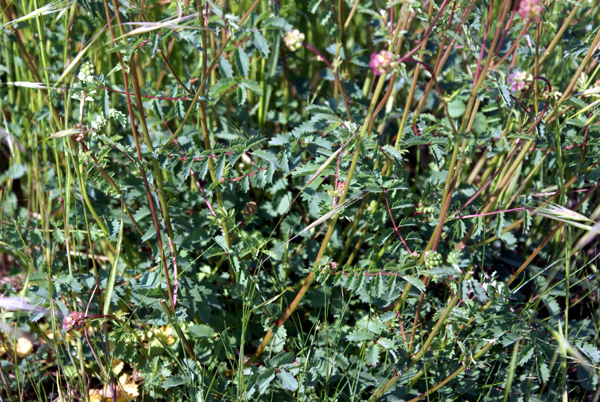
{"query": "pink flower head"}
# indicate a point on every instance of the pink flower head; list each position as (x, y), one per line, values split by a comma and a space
(531, 10)
(73, 321)
(519, 81)
(339, 189)
(382, 62)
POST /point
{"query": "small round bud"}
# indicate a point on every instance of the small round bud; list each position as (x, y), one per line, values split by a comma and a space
(339, 189)
(87, 72)
(372, 207)
(293, 39)
(383, 62)
(433, 259)
(520, 81)
(73, 321)
(250, 209)
(531, 10)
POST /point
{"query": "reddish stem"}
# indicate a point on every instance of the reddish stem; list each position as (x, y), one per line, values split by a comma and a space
(392, 218)
(485, 35)
(203, 193)
(492, 213)
(143, 96)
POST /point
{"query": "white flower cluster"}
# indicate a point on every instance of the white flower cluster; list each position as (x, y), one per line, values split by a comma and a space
(293, 40)
(87, 72)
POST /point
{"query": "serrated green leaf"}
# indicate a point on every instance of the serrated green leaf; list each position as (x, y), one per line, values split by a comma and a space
(498, 224)
(372, 355)
(241, 61)
(201, 331)
(252, 86)
(264, 380)
(174, 381)
(241, 96)
(277, 23)
(225, 67)
(221, 87)
(542, 371)
(157, 109)
(267, 156)
(141, 213)
(393, 153)
(220, 240)
(416, 282)
(261, 44)
(359, 335)
(526, 221)
(526, 354)
(220, 166)
(287, 381)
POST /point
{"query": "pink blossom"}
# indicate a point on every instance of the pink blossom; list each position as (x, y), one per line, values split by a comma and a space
(519, 81)
(73, 321)
(339, 189)
(531, 10)
(382, 62)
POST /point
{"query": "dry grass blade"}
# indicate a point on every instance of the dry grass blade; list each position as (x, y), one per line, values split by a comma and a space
(76, 59)
(589, 236)
(560, 213)
(51, 8)
(146, 27)
(27, 84)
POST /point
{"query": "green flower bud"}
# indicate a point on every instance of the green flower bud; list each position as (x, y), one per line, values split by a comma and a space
(433, 259)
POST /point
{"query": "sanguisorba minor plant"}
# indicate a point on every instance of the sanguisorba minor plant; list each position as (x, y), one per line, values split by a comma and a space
(280, 200)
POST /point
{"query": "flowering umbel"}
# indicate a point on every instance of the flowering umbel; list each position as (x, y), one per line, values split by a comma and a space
(520, 81)
(383, 62)
(531, 10)
(293, 40)
(73, 321)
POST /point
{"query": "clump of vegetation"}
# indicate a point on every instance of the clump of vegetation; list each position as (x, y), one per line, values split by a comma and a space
(249, 200)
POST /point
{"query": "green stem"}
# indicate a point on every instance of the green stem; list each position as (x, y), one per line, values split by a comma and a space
(173, 320)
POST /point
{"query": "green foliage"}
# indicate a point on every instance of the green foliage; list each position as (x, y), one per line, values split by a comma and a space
(222, 218)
